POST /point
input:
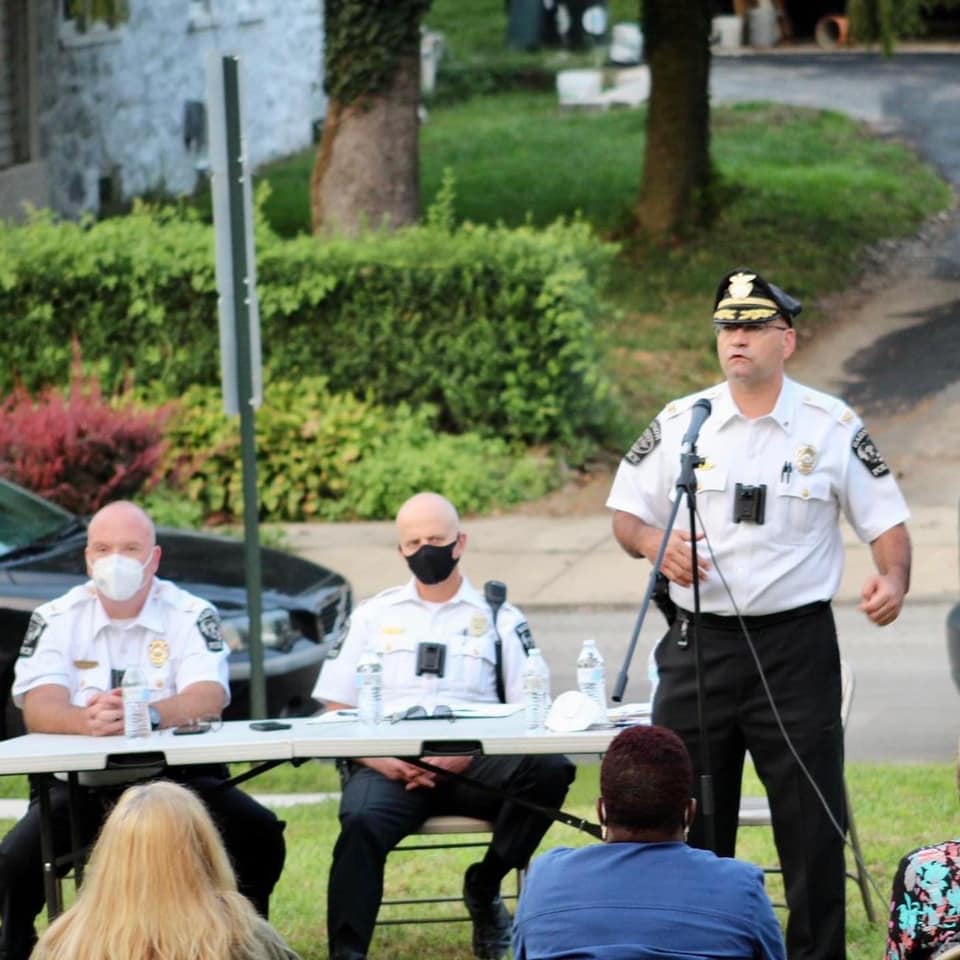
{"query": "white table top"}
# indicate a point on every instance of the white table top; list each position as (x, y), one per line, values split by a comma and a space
(306, 738)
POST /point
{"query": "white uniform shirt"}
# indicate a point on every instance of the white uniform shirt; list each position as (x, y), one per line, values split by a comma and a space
(815, 458)
(72, 642)
(395, 621)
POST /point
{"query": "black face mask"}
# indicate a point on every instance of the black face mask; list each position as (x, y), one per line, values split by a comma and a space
(432, 564)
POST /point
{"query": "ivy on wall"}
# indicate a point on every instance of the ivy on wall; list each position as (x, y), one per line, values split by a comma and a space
(86, 12)
(365, 40)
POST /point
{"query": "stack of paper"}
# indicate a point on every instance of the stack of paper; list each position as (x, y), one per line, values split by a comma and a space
(629, 714)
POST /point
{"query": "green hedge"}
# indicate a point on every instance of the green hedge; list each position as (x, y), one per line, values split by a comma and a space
(336, 457)
(494, 327)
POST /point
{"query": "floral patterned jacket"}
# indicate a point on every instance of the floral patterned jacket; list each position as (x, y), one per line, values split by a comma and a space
(925, 902)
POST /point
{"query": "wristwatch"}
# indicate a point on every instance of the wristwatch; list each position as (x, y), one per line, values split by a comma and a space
(154, 718)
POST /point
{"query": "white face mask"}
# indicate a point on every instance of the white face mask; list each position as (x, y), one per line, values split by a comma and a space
(118, 577)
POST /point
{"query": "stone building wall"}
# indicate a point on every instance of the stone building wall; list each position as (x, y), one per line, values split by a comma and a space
(112, 112)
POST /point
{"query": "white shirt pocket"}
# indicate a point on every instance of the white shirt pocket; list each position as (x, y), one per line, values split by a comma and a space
(398, 651)
(805, 505)
(471, 667)
(714, 503)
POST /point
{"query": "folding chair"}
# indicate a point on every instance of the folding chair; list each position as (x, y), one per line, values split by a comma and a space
(755, 811)
(443, 826)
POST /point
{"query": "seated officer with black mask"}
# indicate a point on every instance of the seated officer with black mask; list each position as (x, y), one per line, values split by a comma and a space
(437, 640)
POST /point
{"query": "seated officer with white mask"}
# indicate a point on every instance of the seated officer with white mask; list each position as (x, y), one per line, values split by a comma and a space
(67, 682)
(437, 640)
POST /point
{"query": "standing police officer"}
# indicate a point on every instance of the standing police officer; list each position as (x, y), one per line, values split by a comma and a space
(438, 641)
(781, 462)
(67, 681)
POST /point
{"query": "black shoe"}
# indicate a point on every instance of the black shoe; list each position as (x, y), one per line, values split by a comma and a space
(491, 922)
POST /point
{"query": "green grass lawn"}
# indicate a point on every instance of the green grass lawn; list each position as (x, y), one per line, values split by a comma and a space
(897, 808)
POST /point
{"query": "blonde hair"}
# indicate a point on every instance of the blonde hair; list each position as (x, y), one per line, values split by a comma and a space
(159, 886)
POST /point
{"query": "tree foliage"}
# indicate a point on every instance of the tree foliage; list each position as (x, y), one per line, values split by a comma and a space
(365, 41)
(886, 21)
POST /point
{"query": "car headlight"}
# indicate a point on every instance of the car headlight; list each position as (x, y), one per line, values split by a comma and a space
(277, 631)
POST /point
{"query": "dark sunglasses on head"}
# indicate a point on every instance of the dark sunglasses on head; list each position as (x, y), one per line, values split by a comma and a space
(417, 712)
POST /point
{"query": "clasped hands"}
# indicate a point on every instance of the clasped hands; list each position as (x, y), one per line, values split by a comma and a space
(104, 714)
(413, 776)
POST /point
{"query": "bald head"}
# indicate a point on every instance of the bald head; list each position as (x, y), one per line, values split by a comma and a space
(122, 529)
(122, 514)
(428, 508)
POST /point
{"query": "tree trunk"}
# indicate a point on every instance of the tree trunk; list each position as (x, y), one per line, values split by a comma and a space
(676, 169)
(367, 171)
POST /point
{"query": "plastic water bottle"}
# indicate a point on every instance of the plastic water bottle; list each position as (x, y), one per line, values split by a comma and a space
(136, 703)
(370, 687)
(536, 689)
(592, 674)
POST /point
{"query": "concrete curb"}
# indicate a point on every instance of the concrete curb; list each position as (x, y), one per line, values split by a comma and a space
(14, 809)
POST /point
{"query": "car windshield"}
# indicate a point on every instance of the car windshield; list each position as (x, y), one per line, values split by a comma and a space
(25, 518)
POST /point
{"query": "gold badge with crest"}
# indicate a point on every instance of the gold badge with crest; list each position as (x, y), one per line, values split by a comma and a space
(478, 625)
(806, 458)
(158, 652)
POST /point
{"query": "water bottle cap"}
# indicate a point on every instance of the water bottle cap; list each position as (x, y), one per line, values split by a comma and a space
(574, 710)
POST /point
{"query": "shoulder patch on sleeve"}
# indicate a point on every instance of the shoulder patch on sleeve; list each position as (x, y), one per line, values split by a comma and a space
(868, 455)
(32, 637)
(208, 623)
(645, 443)
(524, 635)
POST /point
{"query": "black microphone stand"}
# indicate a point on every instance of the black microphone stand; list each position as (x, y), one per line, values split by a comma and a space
(686, 484)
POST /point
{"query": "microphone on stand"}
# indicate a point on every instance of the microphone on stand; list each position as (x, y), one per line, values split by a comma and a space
(701, 410)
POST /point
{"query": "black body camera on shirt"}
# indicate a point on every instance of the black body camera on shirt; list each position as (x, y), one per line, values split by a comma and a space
(431, 658)
(749, 503)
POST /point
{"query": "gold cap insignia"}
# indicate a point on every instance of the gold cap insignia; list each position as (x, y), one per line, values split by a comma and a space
(806, 458)
(478, 625)
(158, 652)
(741, 285)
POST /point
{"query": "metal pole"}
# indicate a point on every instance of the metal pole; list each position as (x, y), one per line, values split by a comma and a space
(242, 297)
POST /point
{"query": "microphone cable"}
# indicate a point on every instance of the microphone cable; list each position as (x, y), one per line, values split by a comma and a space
(776, 715)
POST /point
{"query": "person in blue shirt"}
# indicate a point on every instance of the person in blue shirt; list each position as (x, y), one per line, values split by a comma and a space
(643, 893)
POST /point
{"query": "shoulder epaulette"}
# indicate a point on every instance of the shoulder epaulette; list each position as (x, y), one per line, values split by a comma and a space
(83, 593)
(832, 406)
(684, 404)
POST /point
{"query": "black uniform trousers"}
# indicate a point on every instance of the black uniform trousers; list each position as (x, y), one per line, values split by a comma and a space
(801, 661)
(251, 833)
(377, 813)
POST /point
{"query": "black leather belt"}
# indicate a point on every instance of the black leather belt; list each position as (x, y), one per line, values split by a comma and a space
(716, 622)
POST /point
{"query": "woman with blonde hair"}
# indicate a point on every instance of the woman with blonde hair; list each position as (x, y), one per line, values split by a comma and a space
(159, 886)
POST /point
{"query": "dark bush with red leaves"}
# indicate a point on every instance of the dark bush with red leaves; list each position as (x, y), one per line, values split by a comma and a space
(79, 449)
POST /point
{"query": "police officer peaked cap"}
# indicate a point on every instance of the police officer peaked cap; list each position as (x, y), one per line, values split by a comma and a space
(745, 297)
